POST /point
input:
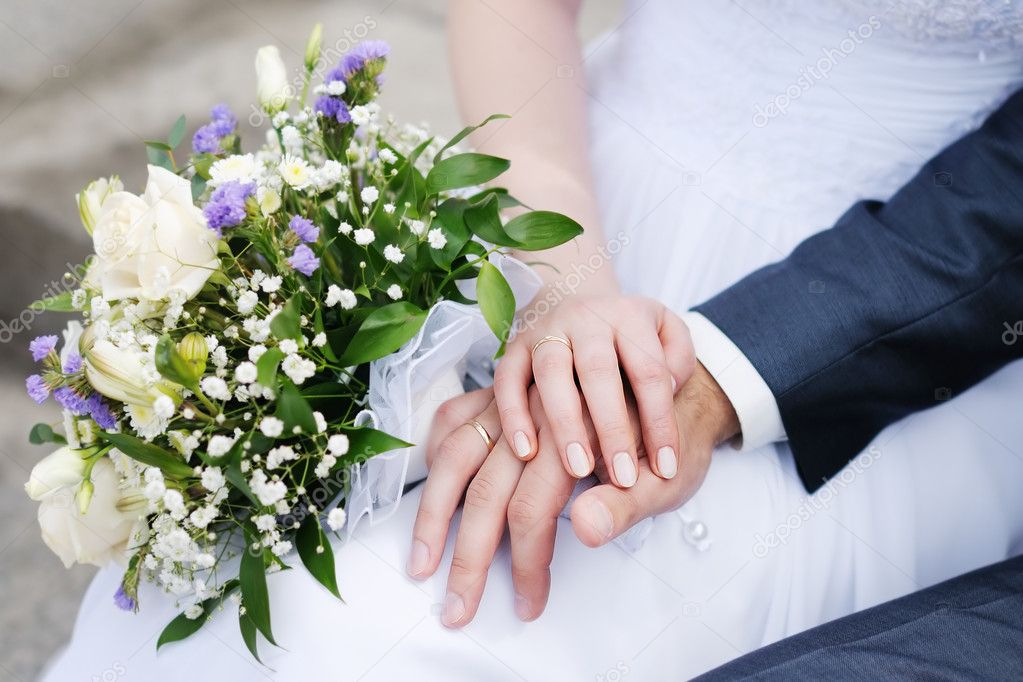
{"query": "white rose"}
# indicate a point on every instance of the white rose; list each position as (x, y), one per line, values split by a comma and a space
(147, 246)
(101, 534)
(271, 78)
(91, 199)
(64, 468)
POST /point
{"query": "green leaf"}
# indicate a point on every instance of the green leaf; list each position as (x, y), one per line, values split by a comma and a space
(159, 157)
(171, 365)
(252, 578)
(538, 230)
(157, 144)
(148, 453)
(44, 433)
(365, 442)
(182, 626)
(484, 219)
(234, 475)
(464, 170)
(310, 536)
(465, 132)
(497, 302)
(177, 132)
(287, 323)
(266, 366)
(248, 629)
(198, 186)
(452, 225)
(384, 331)
(59, 303)
(294, 410)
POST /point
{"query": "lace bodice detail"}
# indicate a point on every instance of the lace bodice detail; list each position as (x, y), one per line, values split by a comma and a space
(996, 24)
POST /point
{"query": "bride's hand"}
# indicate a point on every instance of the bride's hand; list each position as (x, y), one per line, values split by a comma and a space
(499, 489)
(594, 338)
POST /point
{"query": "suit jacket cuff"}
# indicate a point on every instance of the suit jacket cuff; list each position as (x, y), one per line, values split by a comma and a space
(759, 418)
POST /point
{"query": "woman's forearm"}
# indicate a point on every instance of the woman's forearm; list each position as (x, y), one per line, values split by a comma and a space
(524, 59)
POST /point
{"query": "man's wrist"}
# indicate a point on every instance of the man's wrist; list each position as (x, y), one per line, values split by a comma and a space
(704, 409)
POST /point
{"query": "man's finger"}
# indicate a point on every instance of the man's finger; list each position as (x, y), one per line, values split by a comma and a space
(604, 512)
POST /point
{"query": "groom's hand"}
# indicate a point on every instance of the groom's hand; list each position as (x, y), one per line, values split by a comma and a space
(706, 418)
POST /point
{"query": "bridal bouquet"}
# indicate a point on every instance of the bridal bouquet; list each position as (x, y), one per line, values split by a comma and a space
(235, 319)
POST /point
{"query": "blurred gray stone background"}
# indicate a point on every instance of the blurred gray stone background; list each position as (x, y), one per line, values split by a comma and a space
(82, 83)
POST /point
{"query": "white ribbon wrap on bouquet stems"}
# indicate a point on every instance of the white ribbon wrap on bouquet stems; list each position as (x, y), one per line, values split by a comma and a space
(407, 387)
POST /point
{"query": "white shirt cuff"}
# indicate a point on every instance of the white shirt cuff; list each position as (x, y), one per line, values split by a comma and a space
(755, 406)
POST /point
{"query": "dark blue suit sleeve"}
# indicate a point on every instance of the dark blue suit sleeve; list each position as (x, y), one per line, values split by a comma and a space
(899, 305)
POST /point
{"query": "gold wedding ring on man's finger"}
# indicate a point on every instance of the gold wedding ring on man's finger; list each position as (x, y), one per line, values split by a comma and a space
(548, 339)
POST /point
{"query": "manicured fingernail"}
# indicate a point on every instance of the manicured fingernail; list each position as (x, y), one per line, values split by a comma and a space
(522, 446)
(418, 558)
(454, 610)
(674, 384)
(578, 462)
(601, 518)
(625, 469)
(522, 608)
(667, 464)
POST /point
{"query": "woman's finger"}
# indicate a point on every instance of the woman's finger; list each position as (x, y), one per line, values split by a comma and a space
(479, 533)
(543, 491)
(512, 378)
(678, 347)
(458, 457)
(596, 364)
(554, 372)
(642, 358)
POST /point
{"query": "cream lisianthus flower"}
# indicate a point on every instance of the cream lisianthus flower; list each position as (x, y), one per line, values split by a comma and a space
(101, 534)
(120, 374)
(271, 79)
(91, 199)
(148, 246)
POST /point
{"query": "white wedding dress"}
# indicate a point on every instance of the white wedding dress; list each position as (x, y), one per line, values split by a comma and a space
(705, 181)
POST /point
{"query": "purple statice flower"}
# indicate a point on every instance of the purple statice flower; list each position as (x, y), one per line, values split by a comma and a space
(333, 108)
(41, 346)
(70, 400)
(73, 363)
(356, 59)
(227, 205)
(224, 121)
(206, 140)
(100, 412)
(304, 229)
(304, 260)
(123, 601)
(37, 388)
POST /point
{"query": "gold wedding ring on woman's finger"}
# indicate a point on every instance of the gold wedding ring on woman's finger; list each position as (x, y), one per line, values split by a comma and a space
(556, 339)
(484, 434)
